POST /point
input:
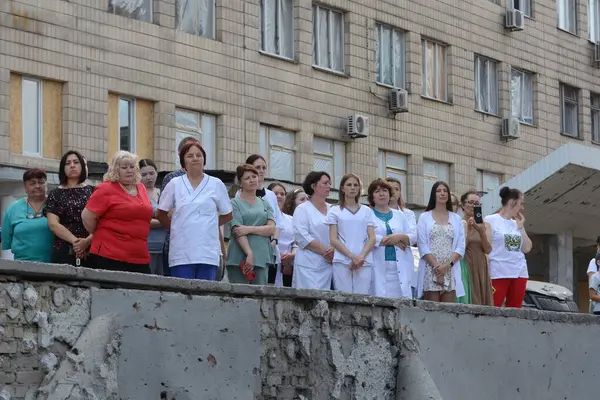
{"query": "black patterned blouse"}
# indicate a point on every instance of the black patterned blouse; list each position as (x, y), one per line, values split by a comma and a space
(68, 204)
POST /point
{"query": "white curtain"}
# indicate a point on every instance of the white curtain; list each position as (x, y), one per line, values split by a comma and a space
(135, 9)
(337, 42)
(567, 15)
(480, 87)
(322, 164)
(593, 20)
(195, 17)
(386, 55)
(269, 26)
(429, 69)
(596, 126)
(398, 40)
(515, 94)
(441, 71)
(527, 98)
(286, 42)
(323, 38)
(486, 85)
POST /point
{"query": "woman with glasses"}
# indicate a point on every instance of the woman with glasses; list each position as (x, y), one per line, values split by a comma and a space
(475, 271)
(25, 228)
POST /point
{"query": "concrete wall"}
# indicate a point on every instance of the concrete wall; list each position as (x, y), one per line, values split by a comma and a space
(77, 332)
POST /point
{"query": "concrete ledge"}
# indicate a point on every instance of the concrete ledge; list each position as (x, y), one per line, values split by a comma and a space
(127, 280)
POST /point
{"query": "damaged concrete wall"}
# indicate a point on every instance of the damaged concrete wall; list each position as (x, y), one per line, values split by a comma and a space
(69, 333)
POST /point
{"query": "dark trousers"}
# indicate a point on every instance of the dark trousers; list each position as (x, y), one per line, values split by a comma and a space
(99, 262)
(66, 256)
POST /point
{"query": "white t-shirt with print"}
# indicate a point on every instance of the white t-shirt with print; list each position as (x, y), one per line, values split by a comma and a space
(352, 230)
(195, 221)
(507, 259)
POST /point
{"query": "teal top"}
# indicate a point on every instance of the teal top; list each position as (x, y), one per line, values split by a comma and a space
(390, 251)
(29, 239)
(251, 215)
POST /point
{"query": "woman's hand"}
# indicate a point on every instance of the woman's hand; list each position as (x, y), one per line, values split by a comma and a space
(478, 227)
(441, 270)
(249, 264)
(80, 247)
(242, 230)
(394, 239)
(520, 220)
(329, 255)
(356, 262)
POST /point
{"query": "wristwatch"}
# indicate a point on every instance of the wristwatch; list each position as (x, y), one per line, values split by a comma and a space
(452, 263)
(275, 240)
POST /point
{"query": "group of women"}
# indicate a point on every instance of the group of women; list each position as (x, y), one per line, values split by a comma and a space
(289, 239)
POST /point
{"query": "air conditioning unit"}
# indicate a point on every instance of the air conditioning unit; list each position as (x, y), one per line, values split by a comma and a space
(597, 53)
(398, 100)
(358, 126)
(514, 20)
(511, 128)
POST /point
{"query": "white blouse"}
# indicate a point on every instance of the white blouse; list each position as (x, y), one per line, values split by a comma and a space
(308, 225)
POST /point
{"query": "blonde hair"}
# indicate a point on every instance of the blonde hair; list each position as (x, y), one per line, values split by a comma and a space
(342, 201)
(112, 175)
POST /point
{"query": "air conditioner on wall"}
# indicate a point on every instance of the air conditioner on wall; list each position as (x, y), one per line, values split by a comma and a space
(514, 20)
(511, 128)
(398, 100)
(358, 126)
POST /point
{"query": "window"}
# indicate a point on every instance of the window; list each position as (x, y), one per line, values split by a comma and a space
(595, 106)
(522, 5)
(487, 181)
(569, 101)
(434, 171)
(521, 95)
(198, 125)
(390, 56)
(32, 116)
(277, 27)
(328, 38)
(127, 124)
(134, 9)
(594, 20)
(196, 17)
(393, 165)
(486, 85)
(434, 70)
(278, 146)
(329, 156)
(567, 15)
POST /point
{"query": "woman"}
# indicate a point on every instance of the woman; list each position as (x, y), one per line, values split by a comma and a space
(456, 206)
(352, 235)
(260, 164)
(201, 206)
(287, 243)
(25, 228)
(475, 271)
(312, 264)
(510, 243)
(119, 214)
(592, 266)
(253, 225)
(156, 238)
(63, 210)
(441, 245)
(393, 263)
(280, 192)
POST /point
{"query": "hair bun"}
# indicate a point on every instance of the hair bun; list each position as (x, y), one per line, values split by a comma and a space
(504, 192)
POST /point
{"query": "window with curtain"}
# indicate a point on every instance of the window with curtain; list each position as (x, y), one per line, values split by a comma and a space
(487, 181)
(434, 171)
(521, 95)
(569, 100)
(127, 124)
(279, 148)
(390, 56)
(595, 115)
(522, 5)
(486, 85)
(434, 71)
(593, 20)
(200, 126)
(393, 165)
(567, 15)
(196, 17)
(134, 9)
(277, 27)
(328, 38)
(330, 156)
(32, 125)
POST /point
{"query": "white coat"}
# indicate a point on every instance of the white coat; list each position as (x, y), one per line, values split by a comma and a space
(400, 223)
(424, 226)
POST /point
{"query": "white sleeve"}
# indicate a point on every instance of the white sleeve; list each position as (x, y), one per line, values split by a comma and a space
(592, 266)
(167, 197)
(332, 216)
(423, 240)
(301, 227)
(222, 200)
(412, 227)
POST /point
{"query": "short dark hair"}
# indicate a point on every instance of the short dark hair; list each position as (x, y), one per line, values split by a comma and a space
(311, 179)
(186, 148)
(185, 141)
(62, 176)
(376, 184)
(252, 159)
(146, 162)
(34, 173)
(507, 194)
(242, 169)
(432, 201)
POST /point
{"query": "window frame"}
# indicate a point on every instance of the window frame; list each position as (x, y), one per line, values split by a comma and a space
(595, 110)
(438, 164)
(436, 62)
(487, 62)
(266, 147)
(317, 43)
(379, 28)
(214, 22)
(594, 20)
(563, 101)
(574, 15)
(113, 10)
(385, 169)
(527, 10)
(530, 75)
(279, 29)
(39, 113)
(200, 133)
(132, 123)
(333, 157)
(479, 177)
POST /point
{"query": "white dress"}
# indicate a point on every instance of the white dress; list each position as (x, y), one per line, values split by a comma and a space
(311, 271)
(285, 243)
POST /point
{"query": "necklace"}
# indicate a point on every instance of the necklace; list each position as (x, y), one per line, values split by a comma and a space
(129, 191)
(34, 213)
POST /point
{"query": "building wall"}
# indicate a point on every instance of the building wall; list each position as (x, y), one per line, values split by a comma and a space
(95, 55)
